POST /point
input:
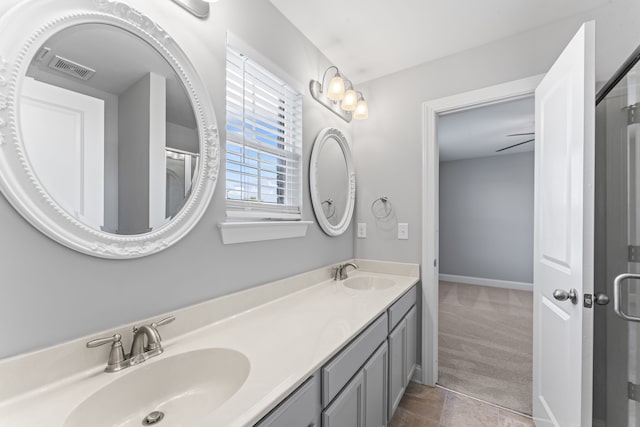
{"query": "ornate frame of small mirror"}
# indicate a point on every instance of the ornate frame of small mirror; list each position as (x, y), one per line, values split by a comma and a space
(326, 206)
(32, 23)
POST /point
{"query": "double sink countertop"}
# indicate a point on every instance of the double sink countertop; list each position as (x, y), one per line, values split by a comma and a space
(286, 330)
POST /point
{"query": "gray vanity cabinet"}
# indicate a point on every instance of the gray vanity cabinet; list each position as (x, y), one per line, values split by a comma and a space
(363, 402)
(402, 347)
(397, 359)
(376, 376)
(412, 342)
(300, 409)
(361, 365)
(347, 410)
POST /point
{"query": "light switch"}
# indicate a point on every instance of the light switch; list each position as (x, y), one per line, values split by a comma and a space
(403, 231)
(362, 230)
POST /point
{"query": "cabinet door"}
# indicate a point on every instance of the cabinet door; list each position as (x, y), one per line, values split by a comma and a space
(300, 409)
(376, 388)
(412, 338)
(397, 362)
(347, 410)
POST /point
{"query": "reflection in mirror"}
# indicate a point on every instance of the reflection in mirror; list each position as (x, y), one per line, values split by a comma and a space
(110, 132)
(332, 181)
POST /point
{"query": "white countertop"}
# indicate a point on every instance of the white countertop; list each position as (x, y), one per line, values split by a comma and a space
(286, 340)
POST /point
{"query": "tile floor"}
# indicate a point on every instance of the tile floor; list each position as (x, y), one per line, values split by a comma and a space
(424, 406)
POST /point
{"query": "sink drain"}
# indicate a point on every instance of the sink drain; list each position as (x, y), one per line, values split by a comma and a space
(153, 418)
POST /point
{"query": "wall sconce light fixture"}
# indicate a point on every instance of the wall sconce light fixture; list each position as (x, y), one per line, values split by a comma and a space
(362, 109)
(199, 8)
(339, 96)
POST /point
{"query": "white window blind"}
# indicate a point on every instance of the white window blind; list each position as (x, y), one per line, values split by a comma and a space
(264, 143)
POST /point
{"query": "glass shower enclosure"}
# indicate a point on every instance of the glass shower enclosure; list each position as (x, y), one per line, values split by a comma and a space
(616, 379)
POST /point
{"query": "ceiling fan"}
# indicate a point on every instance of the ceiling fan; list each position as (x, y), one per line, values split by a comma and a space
(520, 143)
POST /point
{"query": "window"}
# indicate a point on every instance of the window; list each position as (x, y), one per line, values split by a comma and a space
(264, 143)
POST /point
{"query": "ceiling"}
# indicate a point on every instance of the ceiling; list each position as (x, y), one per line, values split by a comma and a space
(479, 132)
(121, 60)
(368, 39)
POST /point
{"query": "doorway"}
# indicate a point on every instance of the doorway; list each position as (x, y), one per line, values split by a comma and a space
(486, 193)
(430, 203)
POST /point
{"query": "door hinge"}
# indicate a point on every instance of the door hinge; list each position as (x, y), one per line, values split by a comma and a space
(633, 115)
(634, 253)
(633, 391)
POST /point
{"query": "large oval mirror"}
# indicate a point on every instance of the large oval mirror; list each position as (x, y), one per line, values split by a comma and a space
(115, 138)
(332, 181)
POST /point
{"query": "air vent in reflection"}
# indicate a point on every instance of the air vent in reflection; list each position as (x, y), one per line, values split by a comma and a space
(72, 68)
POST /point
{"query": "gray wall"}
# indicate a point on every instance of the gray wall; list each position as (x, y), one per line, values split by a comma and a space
(388, 146)
(486, 217)
(49, 293)
(134, 139)
(182, 138)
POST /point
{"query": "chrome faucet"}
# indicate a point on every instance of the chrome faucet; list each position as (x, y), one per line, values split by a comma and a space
(141, 351)
(340, 272)
(146, 344)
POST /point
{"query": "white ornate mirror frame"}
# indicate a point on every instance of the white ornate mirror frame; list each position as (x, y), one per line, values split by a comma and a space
(31, 23)
(327, 135)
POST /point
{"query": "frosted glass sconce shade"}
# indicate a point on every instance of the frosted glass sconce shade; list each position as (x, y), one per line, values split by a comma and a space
(362, 110)
(350, 100)
(336, 88)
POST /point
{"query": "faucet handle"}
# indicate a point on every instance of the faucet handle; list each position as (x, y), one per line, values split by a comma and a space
(116, 355)
(163, 321)
(102, 341)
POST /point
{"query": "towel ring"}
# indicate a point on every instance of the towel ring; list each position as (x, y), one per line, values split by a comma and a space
(387, 208)
(330, 205)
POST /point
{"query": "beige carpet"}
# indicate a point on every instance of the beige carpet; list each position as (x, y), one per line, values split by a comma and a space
(485, 343)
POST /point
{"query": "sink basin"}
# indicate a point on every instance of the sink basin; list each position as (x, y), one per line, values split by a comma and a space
(368, 283)
(184, 388)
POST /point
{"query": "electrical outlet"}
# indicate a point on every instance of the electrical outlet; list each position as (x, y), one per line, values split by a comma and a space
(362, 230)
(403, 231)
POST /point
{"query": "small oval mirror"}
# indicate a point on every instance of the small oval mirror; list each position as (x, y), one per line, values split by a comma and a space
(332, 181)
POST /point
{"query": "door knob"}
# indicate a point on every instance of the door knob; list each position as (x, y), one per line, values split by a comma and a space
(601, 299)
(562, 295)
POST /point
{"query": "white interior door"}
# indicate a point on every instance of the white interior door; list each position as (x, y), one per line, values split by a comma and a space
(563, 236)
(66, 148)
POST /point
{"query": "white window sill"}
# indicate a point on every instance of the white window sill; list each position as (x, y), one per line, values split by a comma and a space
(242, 232)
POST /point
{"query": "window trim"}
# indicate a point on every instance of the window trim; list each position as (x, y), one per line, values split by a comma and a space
(257, 225)
(256, 231)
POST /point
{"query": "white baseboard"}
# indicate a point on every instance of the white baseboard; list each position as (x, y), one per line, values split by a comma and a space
(521, 286)
(417, 375)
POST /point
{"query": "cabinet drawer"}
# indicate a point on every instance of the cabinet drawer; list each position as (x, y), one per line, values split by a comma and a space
(337, 373)
(401, 307)
(300, 408)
